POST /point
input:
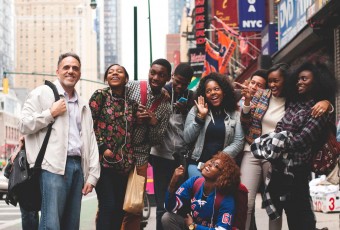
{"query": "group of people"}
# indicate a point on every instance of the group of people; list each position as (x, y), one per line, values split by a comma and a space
(183, 134)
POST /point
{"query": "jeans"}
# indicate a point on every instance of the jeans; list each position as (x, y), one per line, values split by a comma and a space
(298, 206)
(29, 219)
(61, 197)
(173, 221)
(162, 173)
(193, 171)
(110, 190)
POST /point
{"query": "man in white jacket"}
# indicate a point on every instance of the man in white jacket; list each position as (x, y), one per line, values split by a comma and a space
(71, 163)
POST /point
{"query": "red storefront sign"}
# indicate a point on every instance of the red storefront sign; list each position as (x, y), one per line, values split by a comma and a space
(226, 10)
(200, 22)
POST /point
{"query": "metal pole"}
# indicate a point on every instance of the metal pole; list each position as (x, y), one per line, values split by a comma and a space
(135, 43)
(150, 39)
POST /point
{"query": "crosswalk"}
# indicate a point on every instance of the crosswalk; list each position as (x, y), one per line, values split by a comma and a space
(9, 215)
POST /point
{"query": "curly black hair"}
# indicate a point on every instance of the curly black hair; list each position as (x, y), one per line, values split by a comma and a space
(323, 86)
(229, 102)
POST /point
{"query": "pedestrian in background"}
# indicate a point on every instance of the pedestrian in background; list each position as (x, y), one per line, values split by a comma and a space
(214, 123)
(114, 118)
(29, 219)
(173, 147)
(152, 120)
(70, 168)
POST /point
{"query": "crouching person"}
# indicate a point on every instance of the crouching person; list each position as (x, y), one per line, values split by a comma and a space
(203, 202)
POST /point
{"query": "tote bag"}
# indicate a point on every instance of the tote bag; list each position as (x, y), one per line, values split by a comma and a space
(133, 201)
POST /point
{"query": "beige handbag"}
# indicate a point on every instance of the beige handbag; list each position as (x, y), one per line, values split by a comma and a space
(334, 176)
(134, 202)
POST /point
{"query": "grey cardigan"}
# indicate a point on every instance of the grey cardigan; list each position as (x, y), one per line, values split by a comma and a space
(195, 133)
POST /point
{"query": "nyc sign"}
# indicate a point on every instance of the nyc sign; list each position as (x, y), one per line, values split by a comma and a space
(251, 15)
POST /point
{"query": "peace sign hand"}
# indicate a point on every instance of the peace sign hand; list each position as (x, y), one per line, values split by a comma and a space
(202, 107)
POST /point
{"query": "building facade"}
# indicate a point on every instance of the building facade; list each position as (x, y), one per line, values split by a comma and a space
(9, 133)
(7, 17)
(47, 28)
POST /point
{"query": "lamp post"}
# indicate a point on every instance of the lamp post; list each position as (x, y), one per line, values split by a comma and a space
(150, 39)
(135, 43)
(93, 4)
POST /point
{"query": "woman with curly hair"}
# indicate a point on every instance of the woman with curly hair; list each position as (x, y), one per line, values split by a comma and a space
(290, 147)
(260, 114)
(114, 118)
(195, 204)
(214, 123)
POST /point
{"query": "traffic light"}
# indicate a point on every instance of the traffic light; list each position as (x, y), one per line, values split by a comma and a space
(5, 85)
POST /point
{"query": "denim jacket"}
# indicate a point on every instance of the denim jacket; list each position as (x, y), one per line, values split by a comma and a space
(195, 133)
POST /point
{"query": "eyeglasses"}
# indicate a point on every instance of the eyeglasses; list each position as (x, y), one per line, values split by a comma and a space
(215, 165)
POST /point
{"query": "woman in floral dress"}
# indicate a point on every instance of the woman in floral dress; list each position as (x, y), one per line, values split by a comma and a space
(114, 117)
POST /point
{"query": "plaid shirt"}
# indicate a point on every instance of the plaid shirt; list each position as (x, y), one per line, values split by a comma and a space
(145, 135)
(292, 143)
(271, 147)
(252, 122)
(305, 130)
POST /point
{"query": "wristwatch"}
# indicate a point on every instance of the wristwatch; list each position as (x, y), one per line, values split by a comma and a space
(191, 226)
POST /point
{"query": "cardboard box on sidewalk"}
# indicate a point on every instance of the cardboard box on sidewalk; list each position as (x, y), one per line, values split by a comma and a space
(326, 202)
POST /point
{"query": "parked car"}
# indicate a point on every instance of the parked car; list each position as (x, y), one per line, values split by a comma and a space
(3, 185)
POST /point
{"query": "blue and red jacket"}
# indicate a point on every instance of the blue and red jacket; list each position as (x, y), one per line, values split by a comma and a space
(202, 210)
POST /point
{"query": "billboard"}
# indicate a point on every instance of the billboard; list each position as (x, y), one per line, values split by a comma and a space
(251, 14)
(196, 60)
(226, 11)
(292, 19)
(269, 39)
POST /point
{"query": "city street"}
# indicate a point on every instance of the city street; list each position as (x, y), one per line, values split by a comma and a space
(10, 217)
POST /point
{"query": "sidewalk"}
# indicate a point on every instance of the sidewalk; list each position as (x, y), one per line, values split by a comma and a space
(329, 220)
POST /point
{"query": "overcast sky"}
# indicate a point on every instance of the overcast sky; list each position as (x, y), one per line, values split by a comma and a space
(159, 29)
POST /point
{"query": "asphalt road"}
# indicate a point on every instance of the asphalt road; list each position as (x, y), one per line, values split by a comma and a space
(10, 216)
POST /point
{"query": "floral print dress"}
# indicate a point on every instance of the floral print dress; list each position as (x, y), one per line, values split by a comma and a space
(114, 119)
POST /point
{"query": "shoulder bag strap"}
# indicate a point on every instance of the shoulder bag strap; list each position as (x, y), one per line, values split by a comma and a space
(49, 129)
(143, 93)
(155, 104)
